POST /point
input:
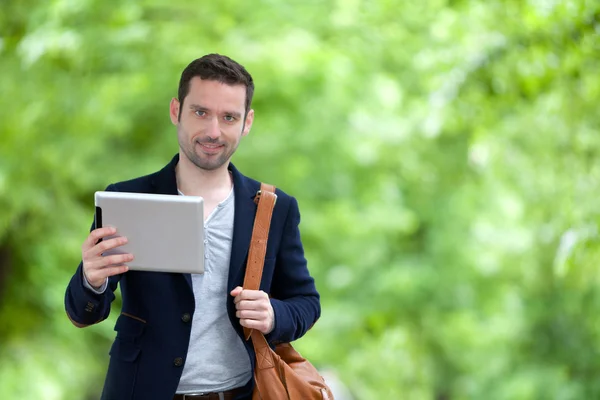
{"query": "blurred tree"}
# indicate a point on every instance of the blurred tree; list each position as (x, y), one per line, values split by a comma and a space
(444, 154)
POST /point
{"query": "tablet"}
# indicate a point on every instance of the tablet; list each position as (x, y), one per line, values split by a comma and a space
(164, 232)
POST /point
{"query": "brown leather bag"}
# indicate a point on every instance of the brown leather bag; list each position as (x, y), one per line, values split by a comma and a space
(282, 374)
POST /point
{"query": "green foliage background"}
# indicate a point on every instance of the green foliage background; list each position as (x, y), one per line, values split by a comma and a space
(444, 155)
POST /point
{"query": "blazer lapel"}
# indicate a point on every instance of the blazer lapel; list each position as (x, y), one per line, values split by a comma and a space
(245, 211)
(165, 182)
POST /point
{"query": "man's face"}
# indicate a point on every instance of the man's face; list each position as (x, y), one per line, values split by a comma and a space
(211, 123)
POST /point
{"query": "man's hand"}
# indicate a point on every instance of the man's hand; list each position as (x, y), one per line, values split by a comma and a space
(254, 309)
(97, 268)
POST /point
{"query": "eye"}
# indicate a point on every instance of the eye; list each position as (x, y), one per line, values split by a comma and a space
(229, 118)
(200, 113)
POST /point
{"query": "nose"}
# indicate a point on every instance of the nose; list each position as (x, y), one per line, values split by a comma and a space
(213, 130)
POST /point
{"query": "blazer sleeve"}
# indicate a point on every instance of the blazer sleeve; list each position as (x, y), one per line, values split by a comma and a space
(83, 306)
(294, 297)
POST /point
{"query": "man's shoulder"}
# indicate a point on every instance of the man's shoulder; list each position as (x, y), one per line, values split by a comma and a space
(139, 184)
(253, 185)
(161, 181)
(282, 196)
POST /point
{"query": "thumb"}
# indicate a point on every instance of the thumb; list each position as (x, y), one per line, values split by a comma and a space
(236, 291)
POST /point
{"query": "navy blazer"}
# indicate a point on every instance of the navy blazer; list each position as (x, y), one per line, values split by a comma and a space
(153, 329)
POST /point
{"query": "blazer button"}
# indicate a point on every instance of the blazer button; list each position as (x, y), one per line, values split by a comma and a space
(186, 318)
(178, 362)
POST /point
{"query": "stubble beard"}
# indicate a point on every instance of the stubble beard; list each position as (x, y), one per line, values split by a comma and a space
(206, 162)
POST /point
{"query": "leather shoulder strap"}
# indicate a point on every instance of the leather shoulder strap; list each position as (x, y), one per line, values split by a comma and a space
(266, 199)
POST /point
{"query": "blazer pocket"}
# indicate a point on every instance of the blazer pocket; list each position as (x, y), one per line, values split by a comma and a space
(129, 327)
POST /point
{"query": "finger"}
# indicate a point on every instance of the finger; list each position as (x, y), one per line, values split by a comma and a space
(106, 245)
(98, 234)
(243, 304)
(116, 259)
(252, 295)
(256, 305)
(102, 274)
(261, 326)
(235, 292)
(252, 314)
(116, 270)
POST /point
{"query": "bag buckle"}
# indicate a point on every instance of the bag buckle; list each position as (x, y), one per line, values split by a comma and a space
(257, 197)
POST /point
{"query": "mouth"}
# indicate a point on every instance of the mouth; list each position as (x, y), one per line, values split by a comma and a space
(210, 148)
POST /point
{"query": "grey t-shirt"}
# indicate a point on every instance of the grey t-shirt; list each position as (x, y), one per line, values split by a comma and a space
(217, 359)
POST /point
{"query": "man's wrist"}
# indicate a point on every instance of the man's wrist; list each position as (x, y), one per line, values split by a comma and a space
(97, 290)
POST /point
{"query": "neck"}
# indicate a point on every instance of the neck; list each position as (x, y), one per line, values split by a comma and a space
(194, 181)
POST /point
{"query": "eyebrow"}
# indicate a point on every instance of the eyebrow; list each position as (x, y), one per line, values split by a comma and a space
(197, 107)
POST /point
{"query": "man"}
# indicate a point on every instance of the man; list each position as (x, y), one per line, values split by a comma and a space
(180, 333)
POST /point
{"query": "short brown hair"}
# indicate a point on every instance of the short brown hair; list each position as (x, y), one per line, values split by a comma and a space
(218, 68)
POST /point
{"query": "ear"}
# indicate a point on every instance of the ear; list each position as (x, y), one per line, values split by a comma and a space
(174, 111)
(248, 124)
